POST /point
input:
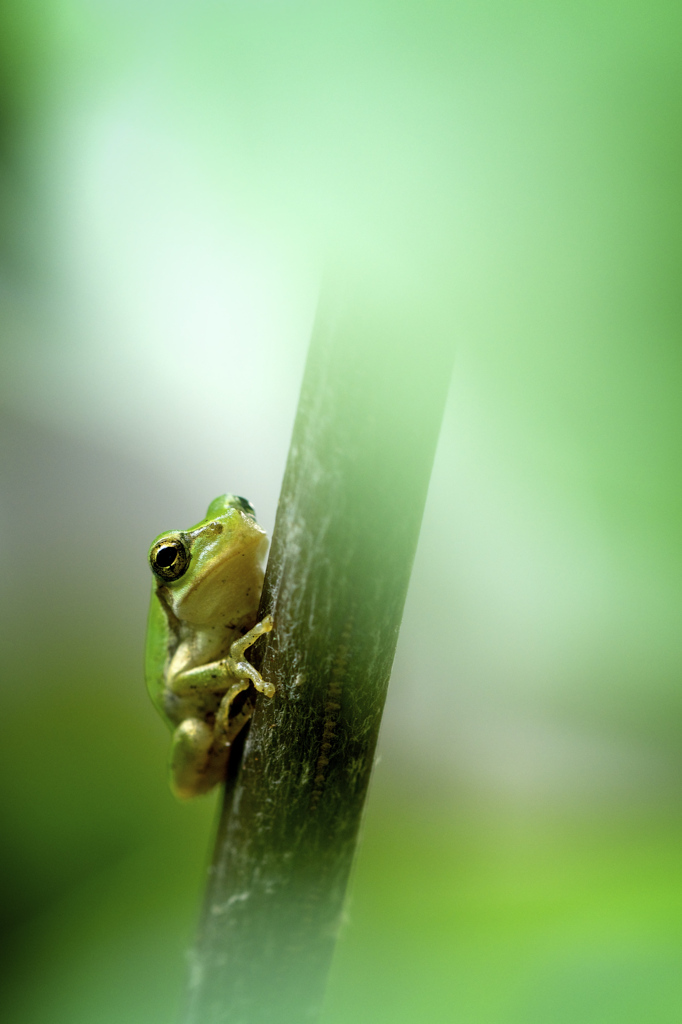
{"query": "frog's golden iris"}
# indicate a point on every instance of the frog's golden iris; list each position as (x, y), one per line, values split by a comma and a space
(169, 559)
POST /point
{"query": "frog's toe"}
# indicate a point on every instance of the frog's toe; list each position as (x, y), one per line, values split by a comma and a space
(267, 688)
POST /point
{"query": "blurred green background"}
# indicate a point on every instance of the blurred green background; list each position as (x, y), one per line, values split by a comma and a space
(173, 179)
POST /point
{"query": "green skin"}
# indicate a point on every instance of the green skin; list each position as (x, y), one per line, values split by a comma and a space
(200, 625)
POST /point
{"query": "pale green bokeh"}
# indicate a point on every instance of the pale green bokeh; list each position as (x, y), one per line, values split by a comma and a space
(174, 179)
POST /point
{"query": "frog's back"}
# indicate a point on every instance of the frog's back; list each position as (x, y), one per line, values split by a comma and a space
(159, 643)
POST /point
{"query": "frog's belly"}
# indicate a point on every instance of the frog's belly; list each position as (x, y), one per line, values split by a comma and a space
(198, 650)
(203, 706)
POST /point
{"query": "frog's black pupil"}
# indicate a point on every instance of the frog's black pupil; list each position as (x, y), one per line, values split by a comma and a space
(166, 556)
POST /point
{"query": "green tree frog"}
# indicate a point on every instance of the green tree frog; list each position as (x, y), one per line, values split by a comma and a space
(202, 618)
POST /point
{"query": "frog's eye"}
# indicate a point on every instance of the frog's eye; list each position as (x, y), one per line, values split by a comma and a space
(245, 505)
(169, 559)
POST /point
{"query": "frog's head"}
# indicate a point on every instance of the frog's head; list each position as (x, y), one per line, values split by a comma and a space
(212, 574)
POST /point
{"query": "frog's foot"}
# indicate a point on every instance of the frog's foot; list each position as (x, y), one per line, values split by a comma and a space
(196, 764)
(228, 721)
(243, 669)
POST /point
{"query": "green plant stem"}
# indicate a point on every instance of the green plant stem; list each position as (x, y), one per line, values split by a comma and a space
(343, 546)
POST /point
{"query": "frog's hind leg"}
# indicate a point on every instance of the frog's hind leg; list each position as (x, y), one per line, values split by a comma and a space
(232, 715)
(199, 751)
(196, 766)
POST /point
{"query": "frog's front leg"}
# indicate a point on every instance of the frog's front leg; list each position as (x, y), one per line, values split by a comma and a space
(238, 648)
(243, 669)
(216, 675)
(228, 724)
